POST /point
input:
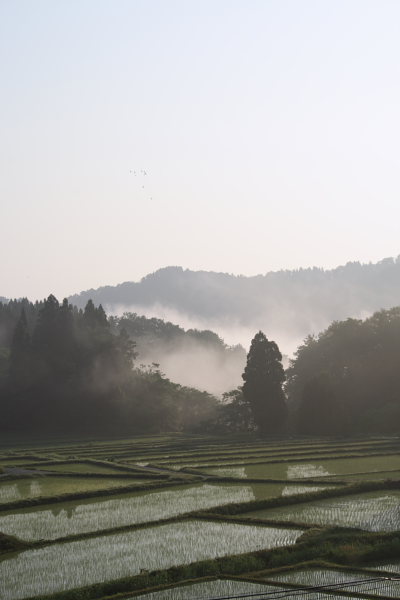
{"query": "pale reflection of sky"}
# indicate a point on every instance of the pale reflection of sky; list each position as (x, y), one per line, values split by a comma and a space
(302, 471)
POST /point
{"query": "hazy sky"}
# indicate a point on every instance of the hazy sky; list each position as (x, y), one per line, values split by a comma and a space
(269, 131)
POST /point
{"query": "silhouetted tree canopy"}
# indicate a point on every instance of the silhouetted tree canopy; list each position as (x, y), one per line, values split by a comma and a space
(70, 370)
(347, 379)
(263, 378)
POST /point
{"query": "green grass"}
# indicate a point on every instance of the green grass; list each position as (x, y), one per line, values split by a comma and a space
(372, 511)
(71, 518)
(76, 564)
(79, 467)
(272, 451)
(18, 462)
(393, 567)
(374, 476)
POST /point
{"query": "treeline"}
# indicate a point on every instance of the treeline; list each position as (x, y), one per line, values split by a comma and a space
(347, 379)
(196, 358)
(344, 381)
(68, 369)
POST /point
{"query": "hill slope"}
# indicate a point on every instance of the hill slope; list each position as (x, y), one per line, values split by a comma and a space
(287, 305)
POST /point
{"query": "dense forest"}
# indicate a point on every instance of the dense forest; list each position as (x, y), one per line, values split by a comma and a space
(68, 369)
(64, 368)
(347, 379)
(289, 305)
(344, 381)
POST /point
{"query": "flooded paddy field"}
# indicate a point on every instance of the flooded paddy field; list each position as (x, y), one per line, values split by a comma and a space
(71, 518)
(75, 564)
(49, 567)
(356, 468)
(228, 588)
(372, 511)
(365, 583)
(35, 487)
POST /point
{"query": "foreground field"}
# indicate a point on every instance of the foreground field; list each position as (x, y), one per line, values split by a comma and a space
(143, 516)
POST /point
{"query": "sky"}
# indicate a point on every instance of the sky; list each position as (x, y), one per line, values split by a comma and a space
(235, 136)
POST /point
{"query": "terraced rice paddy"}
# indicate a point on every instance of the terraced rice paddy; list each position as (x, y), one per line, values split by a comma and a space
(365, 583)
(63, 519)
(311, 469)
(84, 562)
(17, 461)
(97, 557)
(228, 588)
(372, 511)
(374, 476)
(393, 567)
(210, 589)
(33, 487)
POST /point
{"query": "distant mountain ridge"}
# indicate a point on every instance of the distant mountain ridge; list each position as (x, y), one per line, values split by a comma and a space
(294, 303)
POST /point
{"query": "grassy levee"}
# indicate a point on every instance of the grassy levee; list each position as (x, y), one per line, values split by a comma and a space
(190, 449)
(248, 480)
(89, 474)
(331, 451)
(10, 543)
(334, 545)
(240, 463)
(254, 521)
(92, 474)
(176, 447)
(22, 457)
(42, 500)
(253, 505)
(268, 574)
(87, 461)
(249, 453)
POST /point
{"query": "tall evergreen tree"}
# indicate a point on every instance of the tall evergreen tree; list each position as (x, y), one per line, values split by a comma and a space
(46, 334)
(20, 353)
(263, 378)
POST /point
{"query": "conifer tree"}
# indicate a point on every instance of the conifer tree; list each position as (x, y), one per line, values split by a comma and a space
(263, 378)
(20, 352)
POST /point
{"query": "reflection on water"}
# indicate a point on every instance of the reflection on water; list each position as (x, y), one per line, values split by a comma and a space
(67, 511)
(285, 471)
(383, 466)
(302, 471)
(23, 487)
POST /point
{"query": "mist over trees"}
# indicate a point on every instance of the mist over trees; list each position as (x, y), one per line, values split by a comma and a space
(194, 358)
(75, 370)
(289, 305)
(64, 369)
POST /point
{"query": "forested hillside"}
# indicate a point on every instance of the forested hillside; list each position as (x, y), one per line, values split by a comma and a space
(70, 370)
(194, 358)
(347, 379)
(288, 304)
